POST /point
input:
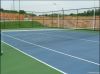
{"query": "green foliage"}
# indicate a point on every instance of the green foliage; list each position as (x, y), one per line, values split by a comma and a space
(85, 13)
(22, 12)
(31, 14)
(90, 13)
(72, 14)
(1, 9)
(97, 12)
(8, 11)
(52, 15)
(14, 11)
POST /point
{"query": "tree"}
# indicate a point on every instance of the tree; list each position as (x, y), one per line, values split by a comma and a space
(1, 9)
(22, 12)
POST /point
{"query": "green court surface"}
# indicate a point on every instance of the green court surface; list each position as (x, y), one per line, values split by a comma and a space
(15, 62)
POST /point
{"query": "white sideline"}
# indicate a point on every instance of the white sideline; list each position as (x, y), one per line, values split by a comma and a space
(94, 72)
(54, 50)
(36, 59)
(7, 30)
(49, 34)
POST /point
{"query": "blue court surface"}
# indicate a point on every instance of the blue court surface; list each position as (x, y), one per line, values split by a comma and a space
(68, 51)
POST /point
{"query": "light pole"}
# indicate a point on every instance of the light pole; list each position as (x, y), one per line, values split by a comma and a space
(63, 18)
(94, 17)
(19, 14)
(57, 16)
(13, 4)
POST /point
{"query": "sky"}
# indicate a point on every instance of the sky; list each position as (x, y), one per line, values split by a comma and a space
(44, 6)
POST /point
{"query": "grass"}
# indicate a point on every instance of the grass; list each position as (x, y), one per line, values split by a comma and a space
(34, 25)
(15, 62)
(21, 24)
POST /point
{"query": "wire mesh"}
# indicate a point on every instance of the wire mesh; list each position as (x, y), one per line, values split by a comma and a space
(84, 18)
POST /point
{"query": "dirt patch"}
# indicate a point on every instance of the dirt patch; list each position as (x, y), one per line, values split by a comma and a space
(65, 22)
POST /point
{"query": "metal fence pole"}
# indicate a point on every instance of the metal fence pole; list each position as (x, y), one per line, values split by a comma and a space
(99, 17)
(52, 19)
(4, 21)
(76, 26)
(43, 18)
(58, 20)
(63, 18)
(32, 20)
(0, 24)
(94, 19)
(19, 14)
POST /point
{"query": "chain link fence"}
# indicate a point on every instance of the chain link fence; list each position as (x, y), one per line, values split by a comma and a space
(84, 18)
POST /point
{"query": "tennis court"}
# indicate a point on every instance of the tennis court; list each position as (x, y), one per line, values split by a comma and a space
(65, 51)
(50, 37)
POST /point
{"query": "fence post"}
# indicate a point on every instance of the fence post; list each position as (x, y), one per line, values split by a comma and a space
(58, 20)
(43, 18)
(63, 18)
(32, 19)
(4, 21)
(76, 26)
(94, 19)
(52, 19)
(19, 14)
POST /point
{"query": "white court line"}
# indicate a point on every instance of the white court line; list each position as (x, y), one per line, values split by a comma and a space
(50, 34)
(89, 40)
(21, 30)
(53, 35)
(53, 50)
(94, 72)
(36, 59)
